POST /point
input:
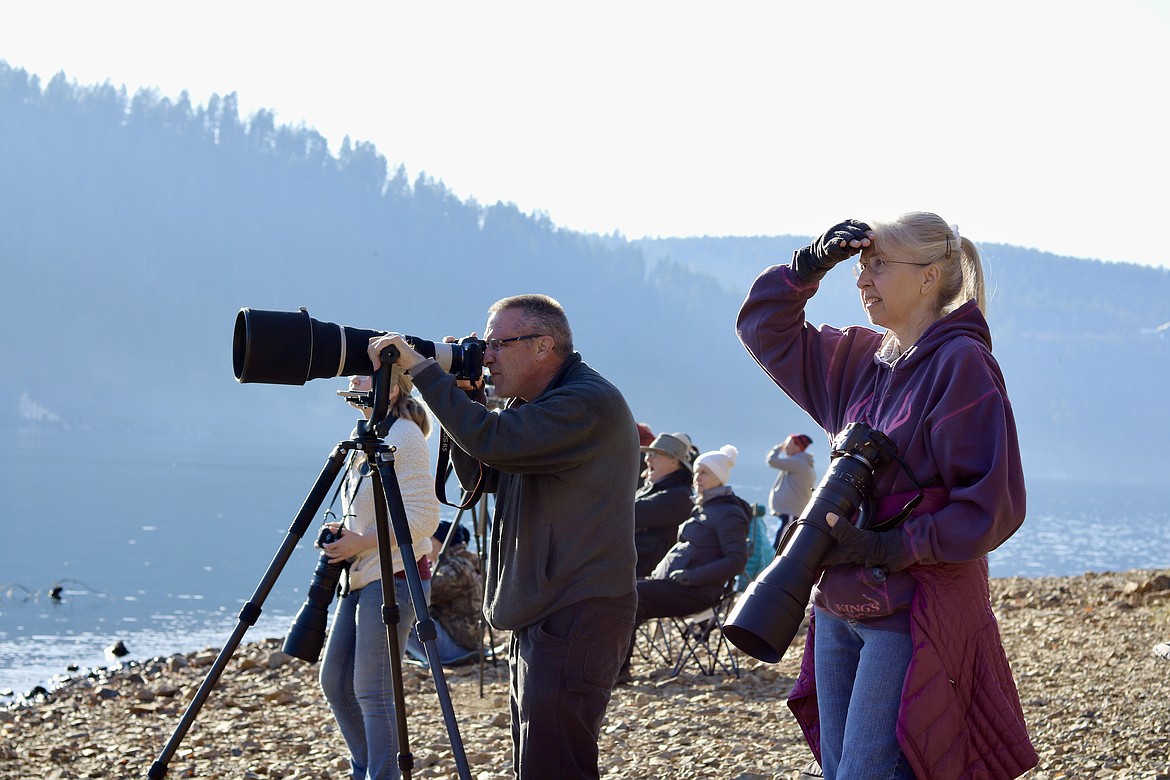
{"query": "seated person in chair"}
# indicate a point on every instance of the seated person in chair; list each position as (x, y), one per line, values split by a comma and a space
(711, 549)
(663, 503)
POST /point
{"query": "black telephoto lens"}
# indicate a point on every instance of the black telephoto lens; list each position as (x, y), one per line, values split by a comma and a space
(767, 617)
(290, 348)
(306, 635)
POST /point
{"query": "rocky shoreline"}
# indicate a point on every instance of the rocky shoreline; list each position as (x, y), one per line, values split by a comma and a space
(1094, 693)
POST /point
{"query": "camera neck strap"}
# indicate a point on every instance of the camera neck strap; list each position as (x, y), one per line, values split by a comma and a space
(469, 497)
(329, 515)
(904, 513)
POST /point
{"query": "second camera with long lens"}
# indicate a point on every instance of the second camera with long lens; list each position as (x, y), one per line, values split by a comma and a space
(306, 635)
(768, 615)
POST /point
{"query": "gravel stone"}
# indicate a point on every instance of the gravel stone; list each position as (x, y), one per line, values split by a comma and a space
(1094, 693)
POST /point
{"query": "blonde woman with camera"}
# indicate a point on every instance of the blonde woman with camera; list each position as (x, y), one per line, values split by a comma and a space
(904, 674)
(355, 673)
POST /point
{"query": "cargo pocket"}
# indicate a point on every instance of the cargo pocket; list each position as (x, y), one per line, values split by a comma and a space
(606, 651)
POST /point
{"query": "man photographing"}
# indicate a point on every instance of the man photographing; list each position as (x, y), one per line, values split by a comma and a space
(560, 570)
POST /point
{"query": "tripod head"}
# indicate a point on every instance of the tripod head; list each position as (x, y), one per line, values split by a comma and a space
(384, 378)
(377, 400)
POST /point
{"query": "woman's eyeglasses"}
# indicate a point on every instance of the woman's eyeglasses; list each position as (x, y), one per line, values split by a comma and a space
(877, 266)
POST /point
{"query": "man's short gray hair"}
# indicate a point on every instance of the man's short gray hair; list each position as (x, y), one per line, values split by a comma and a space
(544, 315)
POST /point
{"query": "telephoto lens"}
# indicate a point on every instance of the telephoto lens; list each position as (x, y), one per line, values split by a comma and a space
(306, 635)
(768, 615)
(290, 348)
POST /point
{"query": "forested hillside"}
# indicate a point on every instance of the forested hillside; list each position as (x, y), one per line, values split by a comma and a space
(133, 227)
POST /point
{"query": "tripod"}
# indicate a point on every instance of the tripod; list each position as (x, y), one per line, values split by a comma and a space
(367, 437)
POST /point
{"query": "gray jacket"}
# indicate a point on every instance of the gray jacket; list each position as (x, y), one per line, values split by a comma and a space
(562, 467)
(794, 484)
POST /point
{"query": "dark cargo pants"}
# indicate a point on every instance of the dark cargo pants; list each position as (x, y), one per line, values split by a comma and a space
(563, 670)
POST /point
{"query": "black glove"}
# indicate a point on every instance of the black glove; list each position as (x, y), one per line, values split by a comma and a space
(681, 576)
(886, 549)
(814, 261)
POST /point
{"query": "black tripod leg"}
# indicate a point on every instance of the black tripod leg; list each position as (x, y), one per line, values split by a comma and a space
(392, 618)
(251, 611)
(479, 518)
(388, 500)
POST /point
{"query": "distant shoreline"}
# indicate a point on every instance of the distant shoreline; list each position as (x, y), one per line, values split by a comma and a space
(268, 630)
(51, 675)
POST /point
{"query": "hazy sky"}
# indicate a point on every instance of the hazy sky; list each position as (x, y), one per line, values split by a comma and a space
(1041, 124)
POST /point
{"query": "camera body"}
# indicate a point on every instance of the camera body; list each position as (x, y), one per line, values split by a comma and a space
(306, 635)
(468, 364)
(328, 537)
(768, 615)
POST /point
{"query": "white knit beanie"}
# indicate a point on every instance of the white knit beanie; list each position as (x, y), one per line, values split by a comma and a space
(719, 461)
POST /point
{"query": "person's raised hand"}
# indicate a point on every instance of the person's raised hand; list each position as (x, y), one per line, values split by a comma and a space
(835, 245)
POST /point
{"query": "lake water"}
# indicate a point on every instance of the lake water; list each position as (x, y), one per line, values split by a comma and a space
(158, 542)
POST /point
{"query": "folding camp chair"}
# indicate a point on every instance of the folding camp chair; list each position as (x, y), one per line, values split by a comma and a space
(695, 639)
(654, 641)
(699, 638)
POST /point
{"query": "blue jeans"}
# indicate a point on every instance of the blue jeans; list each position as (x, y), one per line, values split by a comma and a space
(450, 651)
(860, 671)
(356, 678)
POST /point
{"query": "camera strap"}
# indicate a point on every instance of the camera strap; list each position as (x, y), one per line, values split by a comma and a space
(904, 513)
(469, 498)
(329, 515)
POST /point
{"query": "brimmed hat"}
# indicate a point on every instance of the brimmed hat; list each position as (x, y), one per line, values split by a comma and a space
(645, 435)
(675, 445)
(801, 439)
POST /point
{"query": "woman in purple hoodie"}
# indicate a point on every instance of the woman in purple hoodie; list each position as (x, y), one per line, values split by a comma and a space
(904, 674)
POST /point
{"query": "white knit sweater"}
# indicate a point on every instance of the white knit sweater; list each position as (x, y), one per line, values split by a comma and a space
(416, 483)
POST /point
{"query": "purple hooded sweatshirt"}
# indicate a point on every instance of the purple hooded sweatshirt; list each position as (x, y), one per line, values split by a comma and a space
(944, 405)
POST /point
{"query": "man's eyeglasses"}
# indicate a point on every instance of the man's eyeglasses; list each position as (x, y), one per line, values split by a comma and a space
(877, 266)
(495, 344)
